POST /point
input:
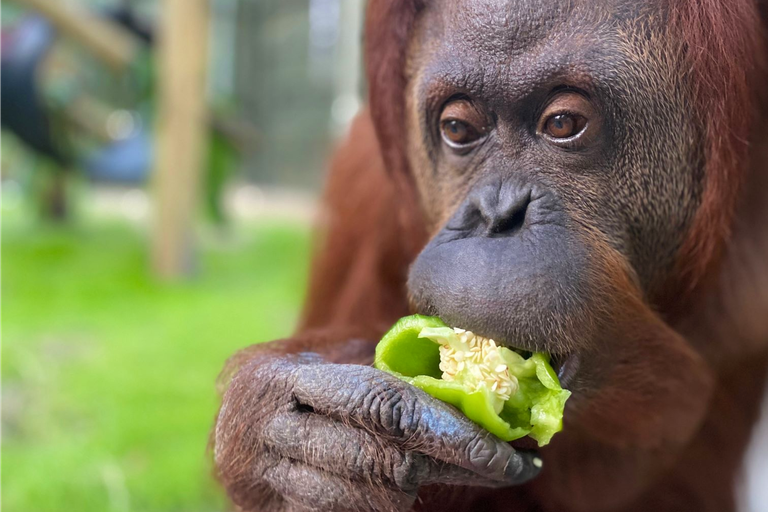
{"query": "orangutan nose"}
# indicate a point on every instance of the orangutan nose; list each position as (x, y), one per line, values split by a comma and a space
(500, 207)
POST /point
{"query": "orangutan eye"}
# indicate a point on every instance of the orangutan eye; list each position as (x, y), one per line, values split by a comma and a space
(569, 120)
(564, 126)
(459, 133)
(462, 124)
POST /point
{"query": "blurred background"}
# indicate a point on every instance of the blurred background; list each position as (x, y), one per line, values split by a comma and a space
(157, 200)
(161, 161)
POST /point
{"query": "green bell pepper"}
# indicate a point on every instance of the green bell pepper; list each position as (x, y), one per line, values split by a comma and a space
(411, 351)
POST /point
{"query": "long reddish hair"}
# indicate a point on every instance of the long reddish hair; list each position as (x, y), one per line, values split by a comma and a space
(388, 26)
(723, 48)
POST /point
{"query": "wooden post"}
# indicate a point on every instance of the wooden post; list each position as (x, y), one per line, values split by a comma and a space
(182, 135)
(107, 41)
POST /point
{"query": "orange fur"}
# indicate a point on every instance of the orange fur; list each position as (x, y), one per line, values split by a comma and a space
(613, 453)
(725, 51)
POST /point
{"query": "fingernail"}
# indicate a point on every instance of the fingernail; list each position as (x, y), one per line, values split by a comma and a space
(522, 467)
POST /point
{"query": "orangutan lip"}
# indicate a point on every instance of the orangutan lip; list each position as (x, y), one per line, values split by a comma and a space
(566, 367)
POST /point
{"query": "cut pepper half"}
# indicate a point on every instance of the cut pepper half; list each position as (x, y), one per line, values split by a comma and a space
(411, 351)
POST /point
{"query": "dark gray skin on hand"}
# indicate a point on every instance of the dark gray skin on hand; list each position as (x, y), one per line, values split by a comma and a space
(559, 169)
(349, 437)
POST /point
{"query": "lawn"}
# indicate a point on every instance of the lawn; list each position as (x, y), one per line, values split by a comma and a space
(108, 375)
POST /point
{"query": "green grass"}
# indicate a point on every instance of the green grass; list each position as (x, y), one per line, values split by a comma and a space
(109, 376)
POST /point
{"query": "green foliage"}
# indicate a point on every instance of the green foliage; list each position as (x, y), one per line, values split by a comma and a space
(109, 376)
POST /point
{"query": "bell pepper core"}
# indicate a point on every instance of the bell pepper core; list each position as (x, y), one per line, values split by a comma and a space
(412, 349)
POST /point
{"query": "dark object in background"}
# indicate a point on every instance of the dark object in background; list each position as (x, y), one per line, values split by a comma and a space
(126, 16)
(23, 110)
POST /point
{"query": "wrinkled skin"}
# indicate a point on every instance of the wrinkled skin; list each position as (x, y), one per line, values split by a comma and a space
(520, 212)
(565, 244)
(578, 230)
(348, 437)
